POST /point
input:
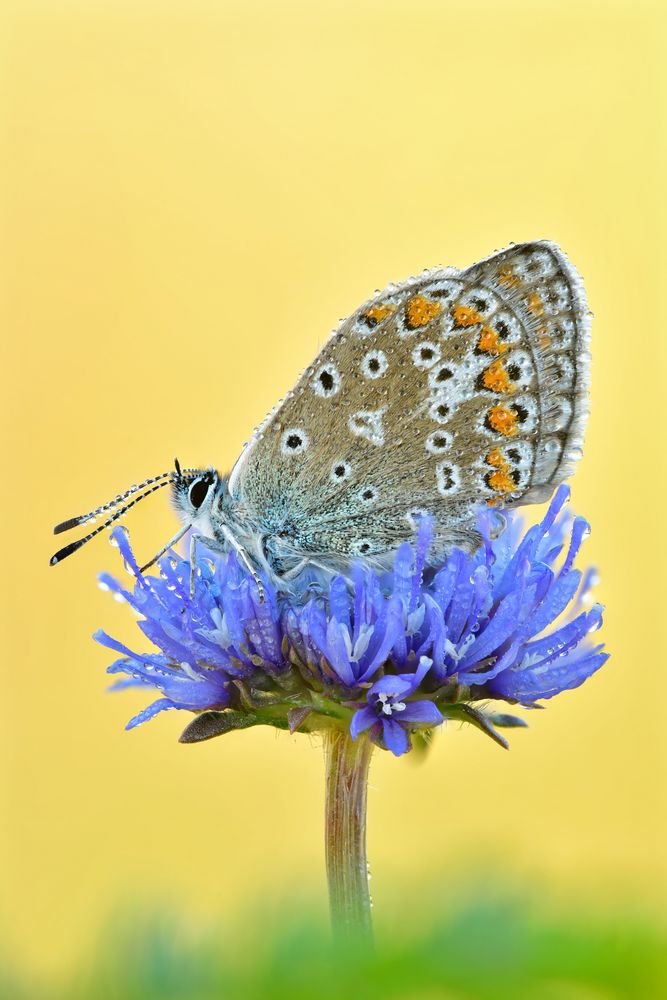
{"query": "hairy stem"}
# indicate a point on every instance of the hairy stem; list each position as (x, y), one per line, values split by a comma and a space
(346, 764)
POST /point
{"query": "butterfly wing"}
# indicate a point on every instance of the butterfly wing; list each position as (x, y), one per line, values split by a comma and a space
(449, 391)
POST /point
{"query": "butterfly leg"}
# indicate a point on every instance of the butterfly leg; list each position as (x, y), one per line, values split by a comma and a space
(216, 546)
(245, 559)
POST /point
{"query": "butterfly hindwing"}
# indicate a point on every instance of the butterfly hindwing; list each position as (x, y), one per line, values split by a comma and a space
(441, 394)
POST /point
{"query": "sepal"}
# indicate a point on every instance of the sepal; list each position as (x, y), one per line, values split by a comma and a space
(207, 725)
(504, 721)
(297, 716)
(485, 723)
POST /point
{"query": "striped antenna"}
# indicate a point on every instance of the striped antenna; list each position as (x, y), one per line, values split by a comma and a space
(74, 546)
(74, 522)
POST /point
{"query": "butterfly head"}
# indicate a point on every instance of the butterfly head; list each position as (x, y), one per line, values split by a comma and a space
(193, 496)
(194, 491)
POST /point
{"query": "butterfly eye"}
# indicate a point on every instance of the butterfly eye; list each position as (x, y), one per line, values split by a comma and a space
(198, 492)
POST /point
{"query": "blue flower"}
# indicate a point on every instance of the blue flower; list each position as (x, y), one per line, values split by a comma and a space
(389, 717)
(510, 622)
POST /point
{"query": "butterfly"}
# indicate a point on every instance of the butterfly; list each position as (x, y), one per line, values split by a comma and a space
(441, 395)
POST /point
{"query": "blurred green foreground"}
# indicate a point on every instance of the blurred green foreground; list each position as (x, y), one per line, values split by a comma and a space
(491, 949)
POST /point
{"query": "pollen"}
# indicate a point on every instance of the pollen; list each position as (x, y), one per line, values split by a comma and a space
(496, 378)
(534, 304)
(489, 342)
(377, 313)
(508, 278)
(502, 420)
(420, 311)
(465, 316)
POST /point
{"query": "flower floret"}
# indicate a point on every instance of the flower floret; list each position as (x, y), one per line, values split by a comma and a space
(390, 718)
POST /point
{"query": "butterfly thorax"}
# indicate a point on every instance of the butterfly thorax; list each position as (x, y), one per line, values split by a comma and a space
(268, 539)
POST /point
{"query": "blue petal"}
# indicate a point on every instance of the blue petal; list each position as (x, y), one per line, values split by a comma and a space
(403, 571)
(381, 652)
(559, 596)
(445, 581)
(421, 713)
(394, 737)
(545, 649)
(338, 655)
(504, 662)
(531, 685)
(339, 601)
(532, 539)
(162, 705)
(580, 528)
(499, 629)
(391, 684)
(362, 720)
(119, 537)
(422, 544)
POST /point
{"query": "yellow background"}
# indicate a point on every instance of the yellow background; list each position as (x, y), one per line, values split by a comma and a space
(192, 194)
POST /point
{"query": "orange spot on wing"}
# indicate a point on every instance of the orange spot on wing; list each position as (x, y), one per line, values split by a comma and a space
(508, 278)
(495, 378)
(502, 480)
(502, 420)
(377, 313)
(534, 304)
(420, 311)
(489, 342)
(465, 316)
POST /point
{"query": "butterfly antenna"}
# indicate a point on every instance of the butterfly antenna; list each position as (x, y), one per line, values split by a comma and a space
(163, 478)
(165, 548)
(74, 546)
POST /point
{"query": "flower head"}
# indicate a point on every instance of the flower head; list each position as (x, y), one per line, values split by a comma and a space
(382, 653)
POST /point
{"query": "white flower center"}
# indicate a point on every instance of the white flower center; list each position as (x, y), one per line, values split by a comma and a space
(389, 705)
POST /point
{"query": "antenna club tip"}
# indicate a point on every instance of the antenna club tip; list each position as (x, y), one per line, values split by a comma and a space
(71, 522)
(53, 560)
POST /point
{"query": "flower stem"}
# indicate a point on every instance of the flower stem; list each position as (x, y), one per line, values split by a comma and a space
(346, 765)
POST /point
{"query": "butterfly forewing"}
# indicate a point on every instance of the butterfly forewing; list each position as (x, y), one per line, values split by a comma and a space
(440, 395)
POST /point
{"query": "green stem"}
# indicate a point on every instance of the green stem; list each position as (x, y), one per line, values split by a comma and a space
(346, 763)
